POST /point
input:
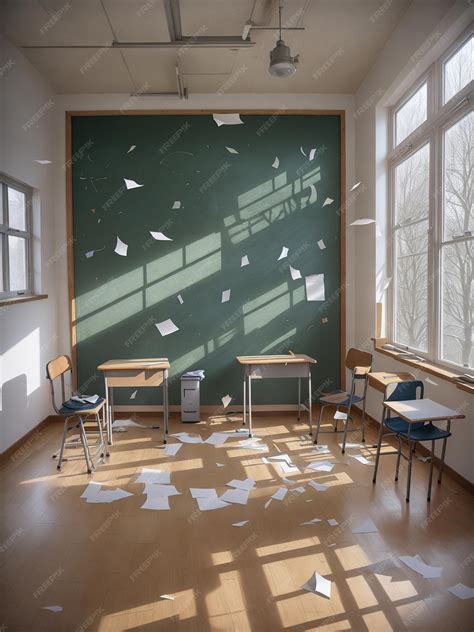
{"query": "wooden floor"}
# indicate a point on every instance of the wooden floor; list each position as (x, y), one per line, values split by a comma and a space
(108, 564)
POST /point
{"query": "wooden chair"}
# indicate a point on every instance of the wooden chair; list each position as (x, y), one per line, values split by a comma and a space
(76, 418)
(360, 363)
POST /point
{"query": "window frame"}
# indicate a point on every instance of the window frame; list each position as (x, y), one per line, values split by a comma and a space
(439, 118)
(6, 231)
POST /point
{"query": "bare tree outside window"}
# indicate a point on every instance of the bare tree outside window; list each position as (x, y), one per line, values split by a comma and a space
(412, 114)
(459, 70)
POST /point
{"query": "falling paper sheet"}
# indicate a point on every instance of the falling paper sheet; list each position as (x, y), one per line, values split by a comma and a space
(170, 597)
(43, 162)
(321, 466)
(172, 448)
(235, 496)
(91, 253)
(217, 438)
(126, 423)
(362, 222)
(132, 147)
(131, 184)
(361, 459)
(328, 201)
(302, 151)
(295, 274)
(157, 477)
(366, 527)
(244, 261)
(133, 395)
(318, 584)
(312, 153)
(321, 244)
(313, 521)
(240, 524)
(121, 248)
(52, 609)
(461, 591)
(315, 287)
(333, 522)
(231, 150)
(227, 119)
(180, 299)
(176, 205)
(313, 195)
(159, 236)
(356, 185)
(225, 296)
(276, 163)
(280, 493)
(416, 564)
(166, 327)
(207, 504)
(158, 503)
(283, 254)
(318, 487)
(324, 320)
(226, 400)
(247, 484)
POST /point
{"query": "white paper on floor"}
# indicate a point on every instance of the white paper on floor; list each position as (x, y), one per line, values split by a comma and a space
(203, 492)
(313, 521)
(235, 496)
(321, 466)
(318, 487)
(209, 503)
(220, 464)
(340, 415)
(351, 445)
(416, 564)
(284, 461)
(172, 448)
(461, 591)
(170, 597)
(157, 489)
(105, 496)
(333, 522)
(280, 493)
(253, 443)
(240, 524)
(158, 503)
(149, 475)
(126, 423)
(217, 438)
(247, 484)
(52, 609)
(361, 459)
(268, 502)
(185, 437)
(295, 274)
(318, 584)
(299, 489)
(366, 527)
(321, 449)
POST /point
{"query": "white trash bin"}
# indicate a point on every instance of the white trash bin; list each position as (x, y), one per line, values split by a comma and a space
(190, 396)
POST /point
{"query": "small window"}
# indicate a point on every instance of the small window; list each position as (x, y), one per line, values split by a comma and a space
(458, 70)
(411, 114)
(15, 238)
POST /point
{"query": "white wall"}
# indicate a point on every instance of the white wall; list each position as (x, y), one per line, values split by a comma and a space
(433, 26)
(28, 332)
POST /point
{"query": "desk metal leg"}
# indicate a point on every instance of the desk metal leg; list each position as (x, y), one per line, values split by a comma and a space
(410, 462)
(441, 465)
(245, 399)
(299, 398)
(310, 403)
(431, 470)
(165, 406)
(111, 411)
(250, 404)
(379, 443)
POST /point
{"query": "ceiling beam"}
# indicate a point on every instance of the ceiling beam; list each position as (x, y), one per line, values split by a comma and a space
(231, 41)
(173, 19)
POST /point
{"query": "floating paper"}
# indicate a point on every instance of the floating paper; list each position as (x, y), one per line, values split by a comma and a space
(225, 296)
(280, 493)
(356, 185)
(235, 496)
(321, 244)
(328, 201)
(226, 400)
(132, 147)
(131, 184)
(44, 162)
(159, 236)
(417, 565)
(180, 299)
(91, 253)
(312, 153)
(247, 484)
(295, 274)
(133, 395)
(166, 327)
(313, 521)
(318, 584)
(121, 248)
(461, 591)
(276, 163)
(313, 195)
(227, 119)
(283, 254)
(361, 459)
(318, 487)
(333, 522)
(244, 261)
(321, 466)
(424, 459)
(158, 477)
(324, 320)
(362, 222)
(240, 524)
(366, 527)
(157, 503)
(172, 449)
(127, 423)
(302, 151)
(315, 287)
(217, 438)
(51, 608)
(231, 150)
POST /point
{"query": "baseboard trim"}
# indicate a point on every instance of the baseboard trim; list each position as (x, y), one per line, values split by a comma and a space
(20, 444)
(217, 409)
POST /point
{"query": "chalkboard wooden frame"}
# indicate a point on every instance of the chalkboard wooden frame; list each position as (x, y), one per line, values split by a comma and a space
(197, 112)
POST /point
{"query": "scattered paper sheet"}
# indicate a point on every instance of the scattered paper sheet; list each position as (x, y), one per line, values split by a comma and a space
(235, 496)
(328, 201)
(226, 400)
(313, 521)
(217, 438)
(225, 296)
(247, 484)
(362, 222)
(172, 448)
(318, 487)
(351, 445)
(276, 163)
(159, 236)
(283, 254)
(176, 205)
(244, 261)
(170, 597)
(424, 459)
(166, 327)
(430, 381)
(180, 299)
(340, 415)
(158, 503)
(227, 119)
(356, 185)
(131, 184)
(43, 162)
(318, 584)
(133, 395)
(312, 153)
(91, 490)
(295, 274)
(321, 466)
(280, 493)
(209, 503)
(185, 437)
(91, 253)
(158, 477)
(315, 290)
(321, 244)
(203, 492)
(313, 195)
(461, 591)
(267, 504)
(108, 496)
(160, 489)
(333, 522)
(121, 248)
(416, 564)
(240, 524)
(361, 459)
(366, 527)
(285, 463)
(132, 147)
(300, 489)
(321, 449)
(52, 609)
(126, 423)
(231, 150)
(253, 443)
(220, 464)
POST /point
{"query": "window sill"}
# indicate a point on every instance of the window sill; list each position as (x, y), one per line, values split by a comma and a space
(13, 300)
(433, 369)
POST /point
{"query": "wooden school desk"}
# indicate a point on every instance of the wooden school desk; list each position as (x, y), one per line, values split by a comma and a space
(144, 372)
(379, 380)
(260, 367)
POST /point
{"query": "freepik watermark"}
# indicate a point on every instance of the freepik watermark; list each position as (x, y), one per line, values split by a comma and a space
(174, 138)
(93, 59)
(54, 19)
(38, 115)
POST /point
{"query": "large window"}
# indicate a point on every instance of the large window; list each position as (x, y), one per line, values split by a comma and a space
(432, 245)
(15, 236)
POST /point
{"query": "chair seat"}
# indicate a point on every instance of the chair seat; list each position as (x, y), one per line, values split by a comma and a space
(419, 432)
(90, 410)
(340, 398)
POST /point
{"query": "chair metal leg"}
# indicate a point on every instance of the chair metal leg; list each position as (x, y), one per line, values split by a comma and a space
(245, 400)
(363, 422)
(398, 457)
(431, 471)
(85, 446)
(103, 449)
(310, 403)
(346, 429)
(379, 443)
(441, 465)
(61, 452)
(336, 421)
(299, 399)
(410, 462)
(250, 404)
(319, 424)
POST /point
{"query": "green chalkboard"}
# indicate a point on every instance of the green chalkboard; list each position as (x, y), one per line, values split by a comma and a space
(243, 191)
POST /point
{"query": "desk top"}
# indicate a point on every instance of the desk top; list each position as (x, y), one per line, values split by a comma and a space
(416, 410)
(140, 364)
(276, 359)
(380, 379)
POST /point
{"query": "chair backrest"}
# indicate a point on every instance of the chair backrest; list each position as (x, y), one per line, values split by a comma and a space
(58, 368)
(400, 391)
(360, 362)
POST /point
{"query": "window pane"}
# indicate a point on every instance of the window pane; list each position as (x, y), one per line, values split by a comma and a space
(412, 114)
(2, 289)
(16, 209)
(411, 187)
(457, 342)
(17, 263)
(1, 203)
(459, 70)
(459, 178)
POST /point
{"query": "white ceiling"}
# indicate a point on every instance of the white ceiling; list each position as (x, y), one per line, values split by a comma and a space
(350, 32)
